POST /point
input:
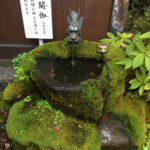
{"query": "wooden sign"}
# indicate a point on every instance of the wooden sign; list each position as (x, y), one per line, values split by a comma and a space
(37, 19)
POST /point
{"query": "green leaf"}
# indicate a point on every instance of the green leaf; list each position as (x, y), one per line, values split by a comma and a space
(128, 64)
(135, 84)
(127, 41)
(129, 49)
(141, 90)
(139, 76)
(148, 53)
(138, 60)
(145, 35)
(147, 62)
(135, 53)
(123, 62)
(119, 34)
(147, 86)
(110, 35)
(140, 45)
(107, 41)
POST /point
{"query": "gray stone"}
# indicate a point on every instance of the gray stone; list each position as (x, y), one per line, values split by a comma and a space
(113, 134)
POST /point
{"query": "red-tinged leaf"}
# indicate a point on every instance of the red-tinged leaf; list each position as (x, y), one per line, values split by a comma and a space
(104, 117)
(39, 51)
(56, 128)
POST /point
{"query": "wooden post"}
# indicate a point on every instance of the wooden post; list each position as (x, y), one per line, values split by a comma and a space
(119, 12)
(40, 42)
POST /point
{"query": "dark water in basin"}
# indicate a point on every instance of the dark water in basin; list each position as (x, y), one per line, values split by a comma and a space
(63, 72)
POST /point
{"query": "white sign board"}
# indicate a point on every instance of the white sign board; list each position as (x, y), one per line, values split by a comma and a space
(37, 18)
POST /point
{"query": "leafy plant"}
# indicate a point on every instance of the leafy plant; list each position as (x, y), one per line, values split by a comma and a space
(142, 81)
(138, 5)
(116, 40)
(17, 64)
(45, 104)
(27, 99)
(142, 23)
(59, 116)
(137, 57)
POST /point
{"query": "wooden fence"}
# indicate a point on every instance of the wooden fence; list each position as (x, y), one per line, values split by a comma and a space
(12, 36)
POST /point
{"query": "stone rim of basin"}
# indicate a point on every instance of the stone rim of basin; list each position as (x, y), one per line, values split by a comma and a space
(57, 85)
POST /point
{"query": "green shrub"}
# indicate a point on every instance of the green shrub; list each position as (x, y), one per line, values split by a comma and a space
(17, 64)
(137, 57)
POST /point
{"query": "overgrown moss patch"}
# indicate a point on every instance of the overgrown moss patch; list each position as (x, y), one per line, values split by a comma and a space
(115, 86)
(91, 94)
(16, 88)
(36, 126)
(132, 112)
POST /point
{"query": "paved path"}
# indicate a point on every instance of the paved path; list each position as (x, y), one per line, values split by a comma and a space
(6, 73)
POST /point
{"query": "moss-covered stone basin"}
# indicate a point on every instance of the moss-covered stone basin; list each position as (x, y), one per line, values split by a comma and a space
(43, 127)
(76, 88)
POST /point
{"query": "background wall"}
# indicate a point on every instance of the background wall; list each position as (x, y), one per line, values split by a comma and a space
(12, 37)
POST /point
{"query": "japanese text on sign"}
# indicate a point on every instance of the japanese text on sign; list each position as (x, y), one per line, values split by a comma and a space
(37, 18)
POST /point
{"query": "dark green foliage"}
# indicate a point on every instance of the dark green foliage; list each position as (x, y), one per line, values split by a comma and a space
(139, 16)
(38, 127)
(17, 64)
(142, 24)
(17, 61)
(138, 5)
(137, 57)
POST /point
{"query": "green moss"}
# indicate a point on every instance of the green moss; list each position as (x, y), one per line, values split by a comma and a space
(15, 88)
(115, 86)
(87, 101)
(5, 105)
(27, 125)
(59, 49)
(88, 49)
(148, 113)
(132, 112)
(91, 94)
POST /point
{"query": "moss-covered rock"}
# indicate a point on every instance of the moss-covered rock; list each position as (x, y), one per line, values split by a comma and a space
(24, 122)
(16, 88)
(132, 112)
(115, 86)
(148, 113)
(38, 126)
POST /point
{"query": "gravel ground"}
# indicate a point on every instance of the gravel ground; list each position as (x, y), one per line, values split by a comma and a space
(6, 73)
